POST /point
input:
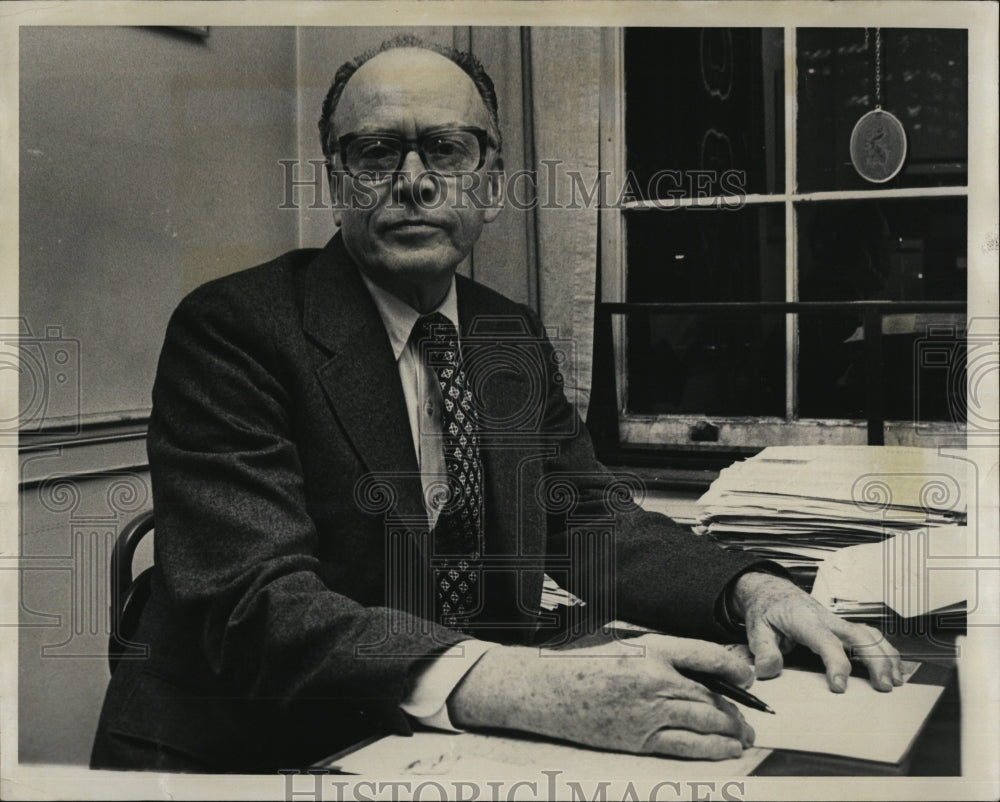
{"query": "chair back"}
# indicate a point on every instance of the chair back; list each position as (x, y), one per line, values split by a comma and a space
(128, 594)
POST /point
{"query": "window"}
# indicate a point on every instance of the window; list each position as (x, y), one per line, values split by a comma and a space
(757, 289)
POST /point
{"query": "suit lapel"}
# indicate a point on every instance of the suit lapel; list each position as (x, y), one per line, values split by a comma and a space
(361, 377)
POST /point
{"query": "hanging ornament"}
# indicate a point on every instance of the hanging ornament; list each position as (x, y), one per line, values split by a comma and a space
(878, 141)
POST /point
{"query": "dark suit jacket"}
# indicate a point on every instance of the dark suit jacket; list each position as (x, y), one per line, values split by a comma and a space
(288, 519)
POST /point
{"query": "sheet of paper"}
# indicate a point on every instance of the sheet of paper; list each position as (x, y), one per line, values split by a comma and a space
(497, 758)
(860, 723)
(913, 573)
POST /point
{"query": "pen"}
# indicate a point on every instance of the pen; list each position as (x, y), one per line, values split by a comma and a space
(727, 689)
(710, 681)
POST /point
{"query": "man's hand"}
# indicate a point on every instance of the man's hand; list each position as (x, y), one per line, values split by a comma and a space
(778, 613)
(626, 696)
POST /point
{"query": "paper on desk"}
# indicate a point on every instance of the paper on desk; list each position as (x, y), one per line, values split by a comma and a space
(860, 723)
(509, 759)
(554, 596)
(913, 573)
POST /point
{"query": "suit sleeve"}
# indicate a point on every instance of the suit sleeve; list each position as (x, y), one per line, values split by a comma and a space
(665, 577)
(234, 542)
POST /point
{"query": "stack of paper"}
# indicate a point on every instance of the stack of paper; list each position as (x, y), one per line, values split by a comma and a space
(798, 505)
(912, 574)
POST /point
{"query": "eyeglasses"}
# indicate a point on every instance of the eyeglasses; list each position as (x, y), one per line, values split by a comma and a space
(446, 151)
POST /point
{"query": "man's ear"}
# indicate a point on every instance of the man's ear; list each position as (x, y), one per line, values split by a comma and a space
(336, 190)
(496, 183)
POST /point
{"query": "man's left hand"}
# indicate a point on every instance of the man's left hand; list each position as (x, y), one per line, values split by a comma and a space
(777, 613)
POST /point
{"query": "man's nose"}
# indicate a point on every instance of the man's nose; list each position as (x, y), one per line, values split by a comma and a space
(412, 166)
(414, 178)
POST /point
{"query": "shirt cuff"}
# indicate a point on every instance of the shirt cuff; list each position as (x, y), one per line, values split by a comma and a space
(427, 702)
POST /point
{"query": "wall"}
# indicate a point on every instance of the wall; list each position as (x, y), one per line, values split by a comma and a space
(149, 164)
(68, 527)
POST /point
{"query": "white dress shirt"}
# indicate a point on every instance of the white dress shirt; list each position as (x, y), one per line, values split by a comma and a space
(427, 702)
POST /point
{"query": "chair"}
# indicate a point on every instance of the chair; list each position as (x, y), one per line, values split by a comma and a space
(128, 594)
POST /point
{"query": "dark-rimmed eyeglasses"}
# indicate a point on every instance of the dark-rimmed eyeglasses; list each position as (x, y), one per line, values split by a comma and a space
(446, 151)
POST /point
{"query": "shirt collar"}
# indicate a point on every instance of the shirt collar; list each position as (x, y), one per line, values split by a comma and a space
(398, 316)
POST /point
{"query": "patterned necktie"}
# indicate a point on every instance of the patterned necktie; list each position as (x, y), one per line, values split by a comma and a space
(457, 536)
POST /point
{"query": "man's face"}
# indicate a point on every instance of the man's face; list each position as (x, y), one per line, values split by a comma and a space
(410, 232)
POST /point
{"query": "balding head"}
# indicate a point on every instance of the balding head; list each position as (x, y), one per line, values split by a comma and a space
(408, 84)
(466, 62)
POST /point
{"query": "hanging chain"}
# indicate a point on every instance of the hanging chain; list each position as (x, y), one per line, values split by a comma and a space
(878, 67)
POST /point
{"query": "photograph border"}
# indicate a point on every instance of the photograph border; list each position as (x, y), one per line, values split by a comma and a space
(981, 775)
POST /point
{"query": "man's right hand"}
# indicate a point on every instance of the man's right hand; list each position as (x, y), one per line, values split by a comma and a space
(626, 696)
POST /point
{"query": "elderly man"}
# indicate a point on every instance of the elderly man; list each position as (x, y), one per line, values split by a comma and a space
(355, 512)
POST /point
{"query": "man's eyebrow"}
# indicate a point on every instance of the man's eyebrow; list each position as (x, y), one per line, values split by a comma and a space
(369, 130)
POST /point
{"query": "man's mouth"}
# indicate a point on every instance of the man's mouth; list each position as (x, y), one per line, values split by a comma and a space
(413, 225)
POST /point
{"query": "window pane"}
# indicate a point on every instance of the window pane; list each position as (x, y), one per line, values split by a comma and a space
(903, 250)
(704, 99)
(706, 363)
(706, 254)
(924, 83)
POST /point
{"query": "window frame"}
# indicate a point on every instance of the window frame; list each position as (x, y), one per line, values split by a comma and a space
(738, 433)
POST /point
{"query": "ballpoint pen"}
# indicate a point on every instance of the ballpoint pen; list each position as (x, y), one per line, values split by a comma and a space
(727, 689)
(710, 681)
